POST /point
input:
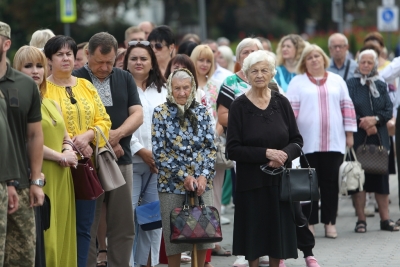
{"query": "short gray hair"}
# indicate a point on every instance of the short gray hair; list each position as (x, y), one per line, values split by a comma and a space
(245, 43)
(181, 75)
(259, 56)
(105, 41)
(369, 52)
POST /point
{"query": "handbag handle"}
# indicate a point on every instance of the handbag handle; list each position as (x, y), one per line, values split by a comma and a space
(99, 131)
(144, 190)
(379, 138)
(67, 142)
(350, 152)
(302, 154)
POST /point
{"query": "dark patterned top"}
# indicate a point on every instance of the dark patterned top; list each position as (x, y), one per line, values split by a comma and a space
(178, 151)
(367, 105)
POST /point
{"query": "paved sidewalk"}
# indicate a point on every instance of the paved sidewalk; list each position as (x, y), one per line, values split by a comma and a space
(375, 248)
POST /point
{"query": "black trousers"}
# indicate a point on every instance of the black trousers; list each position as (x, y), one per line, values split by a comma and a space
(305, 239)
(327, 166)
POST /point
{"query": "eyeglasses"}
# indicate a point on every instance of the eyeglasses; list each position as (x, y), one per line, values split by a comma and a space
(70, 94)
(337, 46)
(157, 46)
(134, 43)
(271, 171)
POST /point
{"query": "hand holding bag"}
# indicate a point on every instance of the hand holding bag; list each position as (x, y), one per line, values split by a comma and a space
(148, 216)
(195, 224)
(109, 173)
(374, 159)
(86, 182)
(351, 174)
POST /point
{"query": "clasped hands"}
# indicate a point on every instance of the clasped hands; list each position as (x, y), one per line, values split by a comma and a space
(368, 123)
(277, 157)
(200, 183)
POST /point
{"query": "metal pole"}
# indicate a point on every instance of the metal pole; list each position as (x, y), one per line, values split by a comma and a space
(340, 24)
(202, 19)
(67, 29)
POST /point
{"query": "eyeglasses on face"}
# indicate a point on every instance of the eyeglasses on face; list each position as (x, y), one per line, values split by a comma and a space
(134, 43)
(271, 171)
(334, 47)
(71, 95)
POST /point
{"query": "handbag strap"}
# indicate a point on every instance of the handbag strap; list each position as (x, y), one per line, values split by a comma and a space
(98, 133)
(290, 196)
(350, 152)
(144, 190)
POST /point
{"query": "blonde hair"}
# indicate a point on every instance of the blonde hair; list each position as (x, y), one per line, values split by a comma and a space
(298, 43)
(301, 65)
(40, 38)
(227, 54)
(130, 30)
(31, 54)
(205, 52)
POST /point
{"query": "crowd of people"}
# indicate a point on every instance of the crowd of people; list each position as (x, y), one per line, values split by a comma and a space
(162, 105)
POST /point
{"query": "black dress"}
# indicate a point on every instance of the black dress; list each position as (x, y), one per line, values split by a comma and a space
(262, 225)
(367, 105)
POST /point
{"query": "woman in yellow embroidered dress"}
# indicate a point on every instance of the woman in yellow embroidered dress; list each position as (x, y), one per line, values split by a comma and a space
(82, 110)
(60, 238)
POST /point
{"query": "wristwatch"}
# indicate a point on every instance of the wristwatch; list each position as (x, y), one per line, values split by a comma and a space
(38, 182)
(377, 119)
(14, 183)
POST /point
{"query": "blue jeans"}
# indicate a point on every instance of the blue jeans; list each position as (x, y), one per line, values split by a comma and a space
(85, 210)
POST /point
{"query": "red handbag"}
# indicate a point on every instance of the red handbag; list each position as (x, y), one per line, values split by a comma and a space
(195, 224)
(86, 183)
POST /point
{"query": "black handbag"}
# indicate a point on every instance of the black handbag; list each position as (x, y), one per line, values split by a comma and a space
(148, 216)
(299, 184)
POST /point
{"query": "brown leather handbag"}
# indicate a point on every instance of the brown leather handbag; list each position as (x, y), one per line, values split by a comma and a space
(374, 159)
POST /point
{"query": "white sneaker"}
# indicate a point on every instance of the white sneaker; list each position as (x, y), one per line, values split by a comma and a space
(225, 220)
(240, 262)
(223, 209)
(263, 261)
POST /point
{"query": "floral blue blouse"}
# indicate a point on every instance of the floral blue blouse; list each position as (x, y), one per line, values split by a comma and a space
(179, 152)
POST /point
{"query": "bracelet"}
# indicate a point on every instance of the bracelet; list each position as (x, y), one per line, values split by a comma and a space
(64, 149)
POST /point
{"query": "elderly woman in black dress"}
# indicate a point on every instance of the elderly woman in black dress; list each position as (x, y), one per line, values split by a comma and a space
(373, 110)
(262, 129)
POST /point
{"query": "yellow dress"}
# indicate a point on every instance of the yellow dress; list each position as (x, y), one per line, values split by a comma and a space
(60, 238)
(87, 112)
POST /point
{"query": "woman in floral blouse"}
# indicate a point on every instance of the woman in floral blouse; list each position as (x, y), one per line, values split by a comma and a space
(184, 152)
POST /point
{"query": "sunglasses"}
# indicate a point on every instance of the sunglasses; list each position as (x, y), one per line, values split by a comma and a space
(272, 171)
(70, 94)
(157, 46)
(134, 43)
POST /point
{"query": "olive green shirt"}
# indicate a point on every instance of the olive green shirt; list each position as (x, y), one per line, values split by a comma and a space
(23, 106)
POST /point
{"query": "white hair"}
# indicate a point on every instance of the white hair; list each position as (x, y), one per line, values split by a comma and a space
(40, 37)
(259, 56)
(227, 54)
(369, 52)
(181, 75)
(245, 43)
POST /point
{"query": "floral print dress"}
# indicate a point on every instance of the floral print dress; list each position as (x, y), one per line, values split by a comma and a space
(180, 151)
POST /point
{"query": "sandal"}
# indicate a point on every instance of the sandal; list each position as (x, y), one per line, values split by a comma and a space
(361, 227)
(102, 263)
(389, 225)
(221, 252)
